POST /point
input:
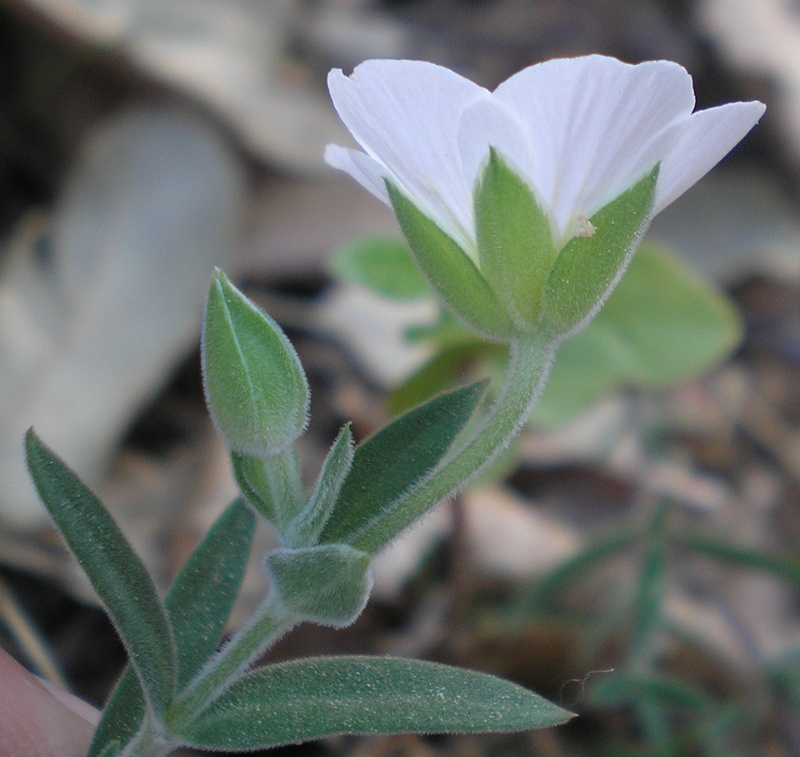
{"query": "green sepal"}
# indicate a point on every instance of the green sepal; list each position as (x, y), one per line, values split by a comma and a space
(587, 267)
(312, 698)
(115, 571)
(391, 462)
(198, 606)
(451, 271)
(251, 477)
(255, 386)
(515, 247)
(328, 584)
(306, 528)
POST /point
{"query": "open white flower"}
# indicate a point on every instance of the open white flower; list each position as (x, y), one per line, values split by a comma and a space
(579, 131)
(523, 206)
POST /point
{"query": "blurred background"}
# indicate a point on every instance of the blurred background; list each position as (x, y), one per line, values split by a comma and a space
(637, 562)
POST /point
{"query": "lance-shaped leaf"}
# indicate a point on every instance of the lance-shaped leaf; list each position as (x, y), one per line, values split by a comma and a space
(396, 458)
(324, 696)
(328, 584)
(200, 600)
(113, 568)
(198, 605)
(308, 525)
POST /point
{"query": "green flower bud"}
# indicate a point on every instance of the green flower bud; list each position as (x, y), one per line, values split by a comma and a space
(255, 387)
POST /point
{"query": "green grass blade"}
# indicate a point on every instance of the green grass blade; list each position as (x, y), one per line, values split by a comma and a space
(740, 556)
(573, 570)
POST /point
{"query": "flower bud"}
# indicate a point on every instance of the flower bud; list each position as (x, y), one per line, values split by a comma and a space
(255, 387)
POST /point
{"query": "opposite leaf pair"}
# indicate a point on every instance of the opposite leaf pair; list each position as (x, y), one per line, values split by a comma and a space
(171, 649)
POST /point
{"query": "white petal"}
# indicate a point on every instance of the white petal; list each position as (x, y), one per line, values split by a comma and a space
(702, 141)
(486, 123)
(589, 119)
(405, 114)
(369, 173)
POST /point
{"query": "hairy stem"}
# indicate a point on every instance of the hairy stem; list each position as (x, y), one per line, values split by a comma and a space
(271, 621)
(528, 369)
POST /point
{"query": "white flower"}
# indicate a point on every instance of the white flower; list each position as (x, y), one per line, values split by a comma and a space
(579, 131)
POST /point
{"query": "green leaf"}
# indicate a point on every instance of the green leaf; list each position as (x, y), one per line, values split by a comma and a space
(394, 460)
(514, 243)
(122, 716)
(308, 699)
(255, 386)
(451, 271)
(384, 265)
(588, 266)
(198, 606)
(112, 749)
(307, 527)
(328, 584)
(272, 486)
(661, 325)
(117, 575)
(200, 600)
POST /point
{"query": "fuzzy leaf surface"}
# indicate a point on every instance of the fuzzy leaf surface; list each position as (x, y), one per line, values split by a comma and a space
(198, 605)
(308, 525)
(308, 699)
(588, 265)
(393, 460)
(115, 571)
(661, 325)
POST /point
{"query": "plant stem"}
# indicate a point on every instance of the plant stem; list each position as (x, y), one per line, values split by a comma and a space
(529, 365)
(149, 741)
(271, 621)
(528, 369)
